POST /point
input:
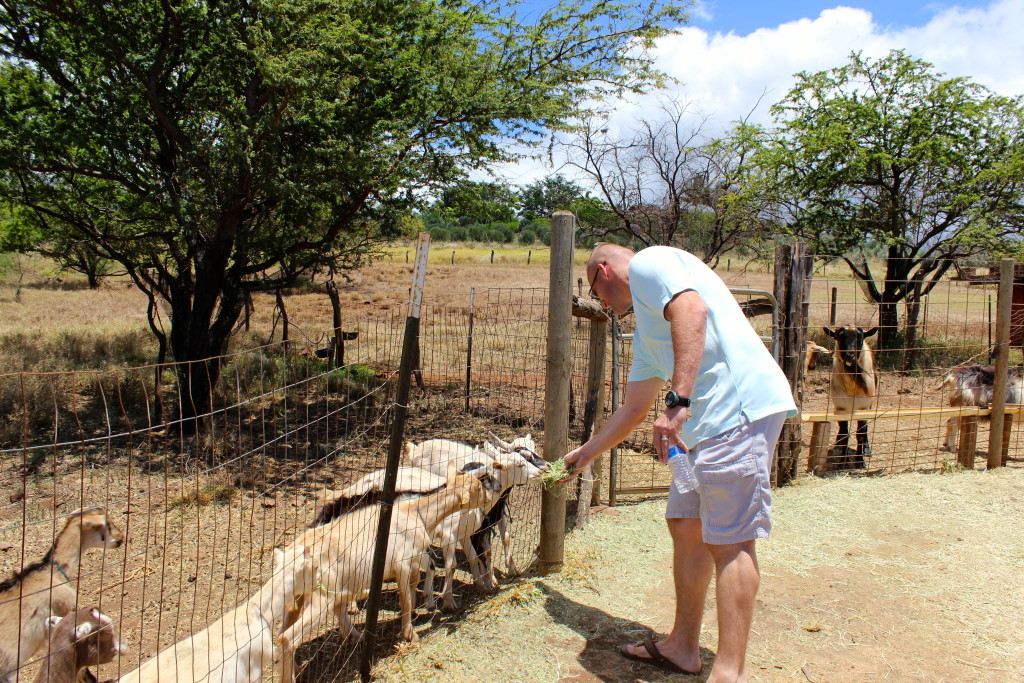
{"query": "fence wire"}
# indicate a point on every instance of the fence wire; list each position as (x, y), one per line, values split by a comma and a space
(949, 326)
(201, 511)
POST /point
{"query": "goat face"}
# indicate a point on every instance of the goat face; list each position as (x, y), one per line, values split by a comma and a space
(849, 344)
(91, 632)
(518, 469)
(99, 530)
(478, 486)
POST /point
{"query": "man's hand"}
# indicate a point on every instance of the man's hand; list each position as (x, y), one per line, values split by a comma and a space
(666, 431)
(573, 464)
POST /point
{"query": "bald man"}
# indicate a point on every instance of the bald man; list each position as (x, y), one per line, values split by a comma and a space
(727, 402)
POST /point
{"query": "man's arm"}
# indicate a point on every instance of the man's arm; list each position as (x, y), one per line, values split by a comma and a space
(640, 396)
(688, 319)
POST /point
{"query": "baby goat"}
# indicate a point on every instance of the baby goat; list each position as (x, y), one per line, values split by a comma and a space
(342, 553)
(83, 638)
(972, 385)
(238, 646)
(853, 387)
(46, 588)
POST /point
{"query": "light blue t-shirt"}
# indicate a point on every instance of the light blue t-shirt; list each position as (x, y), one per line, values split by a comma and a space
(738, 380)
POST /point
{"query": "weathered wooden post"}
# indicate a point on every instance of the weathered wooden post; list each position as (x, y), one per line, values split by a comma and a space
(336, 356)
(593, 409)
(793, 273)
(613, 456)
(556, 392)
(1003, 308)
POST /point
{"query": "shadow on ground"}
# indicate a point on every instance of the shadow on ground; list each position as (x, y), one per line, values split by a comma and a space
(603, 634)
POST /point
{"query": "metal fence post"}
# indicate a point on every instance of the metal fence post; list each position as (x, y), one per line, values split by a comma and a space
(557, 378)
(1003, 308)
(409, 341)
(469, 347)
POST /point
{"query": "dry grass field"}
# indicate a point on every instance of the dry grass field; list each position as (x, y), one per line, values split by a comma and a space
(203, 516)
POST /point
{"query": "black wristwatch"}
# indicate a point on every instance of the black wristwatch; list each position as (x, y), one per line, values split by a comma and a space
(672, 399)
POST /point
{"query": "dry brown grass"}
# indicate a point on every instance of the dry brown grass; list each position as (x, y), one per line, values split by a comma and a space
(906, 578)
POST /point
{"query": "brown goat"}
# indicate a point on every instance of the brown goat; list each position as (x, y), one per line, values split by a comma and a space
(853, 388)
(47, 588)
(83, 638)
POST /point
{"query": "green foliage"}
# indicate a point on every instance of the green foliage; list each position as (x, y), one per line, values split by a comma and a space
(214, 149)
(543, 197)
(889, 154)
(527, 236)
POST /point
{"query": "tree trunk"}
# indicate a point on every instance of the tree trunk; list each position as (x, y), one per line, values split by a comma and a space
(893, 291)
(203, 313)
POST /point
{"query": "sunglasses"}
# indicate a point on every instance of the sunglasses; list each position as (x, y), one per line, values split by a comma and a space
(593, 294)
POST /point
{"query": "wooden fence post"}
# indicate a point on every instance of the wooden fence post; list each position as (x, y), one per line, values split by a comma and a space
(590, 488)
(793, 273)
(1003, 308)
(613, 456)
(556, 393)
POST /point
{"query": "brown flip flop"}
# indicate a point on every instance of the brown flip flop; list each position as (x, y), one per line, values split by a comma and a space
(655, 659)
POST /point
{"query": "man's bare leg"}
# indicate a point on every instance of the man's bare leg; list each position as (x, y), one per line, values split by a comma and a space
(736, 582)
(692, 568)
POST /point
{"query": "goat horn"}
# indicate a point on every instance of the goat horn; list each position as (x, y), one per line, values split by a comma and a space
(498, 441)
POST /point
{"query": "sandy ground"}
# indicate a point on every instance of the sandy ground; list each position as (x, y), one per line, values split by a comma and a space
(905, 578)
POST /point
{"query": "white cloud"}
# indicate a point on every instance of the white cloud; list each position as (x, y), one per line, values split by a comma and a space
(724, 75)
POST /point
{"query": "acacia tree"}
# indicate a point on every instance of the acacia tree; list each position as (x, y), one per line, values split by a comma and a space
(889, 151)
(669, 181)
(213, 149)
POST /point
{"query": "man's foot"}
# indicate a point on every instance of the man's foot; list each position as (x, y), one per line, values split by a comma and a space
(648, 653)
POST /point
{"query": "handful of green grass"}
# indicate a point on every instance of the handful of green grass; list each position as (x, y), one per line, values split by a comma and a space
(555, 473)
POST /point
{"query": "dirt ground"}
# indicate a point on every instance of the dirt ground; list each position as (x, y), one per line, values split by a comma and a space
(912, 577)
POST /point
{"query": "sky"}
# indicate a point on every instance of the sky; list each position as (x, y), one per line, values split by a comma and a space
(733, 53)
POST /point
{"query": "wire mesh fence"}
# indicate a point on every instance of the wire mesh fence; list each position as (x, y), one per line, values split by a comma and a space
(201, 505)
(949, 326)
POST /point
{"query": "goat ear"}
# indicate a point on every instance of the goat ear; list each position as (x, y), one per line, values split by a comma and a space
(497, 465)
(278, 557)
(829, 332)
(871, 332)
(82, 630)
(450, 474)
(51, 622)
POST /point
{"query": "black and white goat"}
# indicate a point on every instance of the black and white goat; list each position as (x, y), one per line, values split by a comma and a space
(972, 385)
(853, 387)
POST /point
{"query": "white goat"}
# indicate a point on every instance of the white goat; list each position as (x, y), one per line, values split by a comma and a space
(436, 455)
(46, 588)
(342, 552)
(81, 639)
(472, 528)
(236, 647)
(367, 491)
(972, 385)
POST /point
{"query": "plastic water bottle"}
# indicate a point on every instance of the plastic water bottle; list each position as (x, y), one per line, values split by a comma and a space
(682, 471)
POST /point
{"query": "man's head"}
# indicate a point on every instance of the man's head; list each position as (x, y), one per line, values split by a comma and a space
(608, 275)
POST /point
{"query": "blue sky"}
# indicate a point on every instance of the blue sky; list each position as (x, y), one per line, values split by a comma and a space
(737, 57)
(743, 17)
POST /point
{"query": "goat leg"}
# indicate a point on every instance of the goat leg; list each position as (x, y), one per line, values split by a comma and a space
(408, 576)
(312, 615)
(448, 594)
(506, 540)
(863, 448)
